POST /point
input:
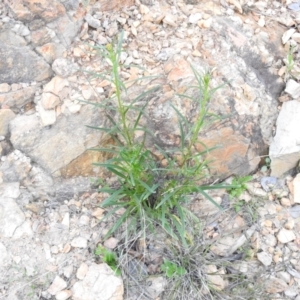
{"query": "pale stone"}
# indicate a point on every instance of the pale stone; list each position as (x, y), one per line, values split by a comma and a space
(6, 115)
(92, 21)
(82, 270)
(285, 147)
(11, 217)
(79, 242)
(63, 295)
(275, 285)
(100, 283)
(296, 37)
(215, 280)
(296, 189)
(194, 18)
(293, 88)
(289, 224)
(4, 88)
(111, 243)
(170, 20)
(265, 258)
(49, 101)
(155, 286)
(57, 285)
(98, 213)
(84, 220)
(287, 35)
(66, 220)
(48, 117)
(284, 236)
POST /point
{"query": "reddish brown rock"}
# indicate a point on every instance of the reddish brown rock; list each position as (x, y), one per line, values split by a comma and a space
(20, 11)
(107, 5)
(45, 9)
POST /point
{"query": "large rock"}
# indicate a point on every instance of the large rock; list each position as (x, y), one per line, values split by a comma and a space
(56, 147)
(245, 104)
(100, 283)
(21, 64)
(285, 147)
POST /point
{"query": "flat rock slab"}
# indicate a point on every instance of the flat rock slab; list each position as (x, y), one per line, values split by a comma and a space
(54, 148)
(16, 65)
(285, 147)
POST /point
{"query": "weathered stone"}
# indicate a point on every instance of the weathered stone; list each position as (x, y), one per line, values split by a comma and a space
(51, 51)
(285, 147)
(111, 243)
(4, 88)
(20, 64)
(293, 89)
(214, 277)
(45, 9)
(49, 101)
(19, 98)
(64, 67)
(265, 258)
(41, 36)
(95, 23)
(58, 146)
(287, 35)
(82, 270)
(20, 11)
(100, 283)
(8, 37)
(63, 295)
(275, 285)
(57, 285)
(6, 115)
(285, 236)
(108, 5)
(79, 242)
(65, 29)
(156, 285)
(48, 117)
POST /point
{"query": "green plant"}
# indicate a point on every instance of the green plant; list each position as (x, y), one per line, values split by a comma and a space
(238, 186)
(109, 257)
(171, 269)
(149, 193)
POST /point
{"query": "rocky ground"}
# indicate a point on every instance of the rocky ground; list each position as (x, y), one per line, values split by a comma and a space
(50, 226)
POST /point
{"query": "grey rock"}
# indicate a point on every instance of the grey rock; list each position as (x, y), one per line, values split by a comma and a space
(10, 38)
(21, 64)
(100, 283)
(55, 147)
(79, 242)
(65, 29)
(285, 147)
(64, 67)
(92, 21)
(70, 4)
(295, 211)
(17, 99)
